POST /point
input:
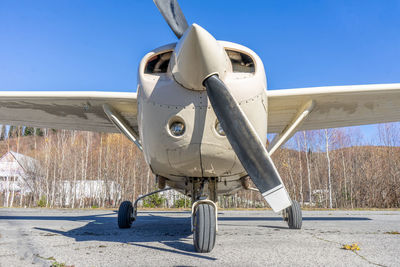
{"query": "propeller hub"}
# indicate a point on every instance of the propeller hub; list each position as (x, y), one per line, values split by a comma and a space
(198, 56)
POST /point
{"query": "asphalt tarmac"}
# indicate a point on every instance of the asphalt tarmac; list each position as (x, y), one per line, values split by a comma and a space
(42, 237)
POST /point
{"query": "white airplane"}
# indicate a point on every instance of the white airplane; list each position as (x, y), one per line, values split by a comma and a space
(201, 117)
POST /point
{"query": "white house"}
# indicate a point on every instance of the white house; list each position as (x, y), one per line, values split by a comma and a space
(15, 172)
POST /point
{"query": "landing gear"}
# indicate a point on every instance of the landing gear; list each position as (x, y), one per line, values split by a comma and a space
(127, 212)
(125, 215)
(293, 215)
(204, 215)
(204, 227)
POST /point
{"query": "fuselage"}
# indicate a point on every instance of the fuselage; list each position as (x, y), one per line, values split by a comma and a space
(201, 150)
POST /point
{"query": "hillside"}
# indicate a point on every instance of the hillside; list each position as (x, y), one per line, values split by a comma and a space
(361, 176)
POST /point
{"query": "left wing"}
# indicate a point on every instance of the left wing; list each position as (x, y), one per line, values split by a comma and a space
(67, 110)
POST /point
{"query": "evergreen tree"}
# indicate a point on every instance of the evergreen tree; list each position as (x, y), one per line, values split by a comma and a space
(39, 132)
(11, 131)
(29, 131)
(3, 132)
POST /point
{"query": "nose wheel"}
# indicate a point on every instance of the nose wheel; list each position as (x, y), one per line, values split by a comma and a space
(204, 226)
(293, 215)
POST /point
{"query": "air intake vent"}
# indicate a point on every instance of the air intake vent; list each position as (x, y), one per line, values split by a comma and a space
(241, 62)
(158, 63)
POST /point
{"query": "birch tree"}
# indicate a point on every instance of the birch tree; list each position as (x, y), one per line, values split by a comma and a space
(329, 168)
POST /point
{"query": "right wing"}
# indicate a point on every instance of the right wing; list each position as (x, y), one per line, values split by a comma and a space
(301, 109)
(335, 106)
(67, 110)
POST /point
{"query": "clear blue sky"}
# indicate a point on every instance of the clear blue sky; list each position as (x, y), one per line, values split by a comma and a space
(97, 45)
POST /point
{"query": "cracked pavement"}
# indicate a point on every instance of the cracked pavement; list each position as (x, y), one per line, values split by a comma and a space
(41, 237)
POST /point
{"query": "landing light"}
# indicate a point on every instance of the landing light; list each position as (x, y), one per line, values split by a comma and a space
(219, 129)
(177, 128)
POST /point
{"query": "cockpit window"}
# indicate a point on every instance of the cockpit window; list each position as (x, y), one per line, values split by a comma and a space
(241, 62)
(158, 63)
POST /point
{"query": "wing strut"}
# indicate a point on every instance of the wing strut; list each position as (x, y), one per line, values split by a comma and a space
(122, 125)
(292, 127)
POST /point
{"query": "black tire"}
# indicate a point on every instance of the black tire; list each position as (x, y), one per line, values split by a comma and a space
(294, 215)
(204, 228)
(125, 215)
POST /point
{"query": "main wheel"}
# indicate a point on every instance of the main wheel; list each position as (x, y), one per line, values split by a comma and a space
(293, 215)
(125, 215)
(204, 228)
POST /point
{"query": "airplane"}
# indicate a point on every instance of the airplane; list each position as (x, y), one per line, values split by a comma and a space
(201, 116)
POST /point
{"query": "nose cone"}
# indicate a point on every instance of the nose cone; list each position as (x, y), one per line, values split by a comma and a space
(197, 56)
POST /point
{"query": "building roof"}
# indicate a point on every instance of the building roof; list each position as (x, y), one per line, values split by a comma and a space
(25, 162)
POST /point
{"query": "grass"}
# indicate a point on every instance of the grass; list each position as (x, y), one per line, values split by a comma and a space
(60, 264)
(393, 233)
(54, 263)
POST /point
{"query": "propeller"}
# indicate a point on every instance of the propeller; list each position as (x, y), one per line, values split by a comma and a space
(199, 60)
(246, 144)
(172, 13)
(241, 135)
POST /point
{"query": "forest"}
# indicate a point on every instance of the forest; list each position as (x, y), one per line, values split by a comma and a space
(334, 168)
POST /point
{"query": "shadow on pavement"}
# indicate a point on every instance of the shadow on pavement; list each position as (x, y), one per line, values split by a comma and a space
(168, 230)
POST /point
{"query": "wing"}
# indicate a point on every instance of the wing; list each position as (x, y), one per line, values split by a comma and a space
(331, 107)
(67, 110)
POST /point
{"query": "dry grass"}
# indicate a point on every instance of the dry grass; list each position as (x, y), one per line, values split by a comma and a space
(393, 233)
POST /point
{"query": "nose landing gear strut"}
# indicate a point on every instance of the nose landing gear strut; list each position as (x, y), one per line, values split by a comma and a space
(204, 215)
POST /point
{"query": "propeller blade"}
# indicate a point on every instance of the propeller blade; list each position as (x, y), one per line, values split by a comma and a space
(247, 145)
(173, 14)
